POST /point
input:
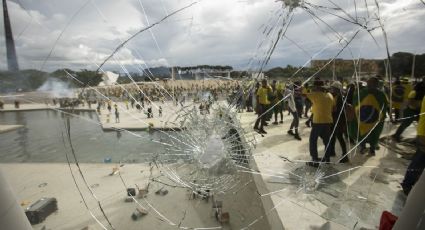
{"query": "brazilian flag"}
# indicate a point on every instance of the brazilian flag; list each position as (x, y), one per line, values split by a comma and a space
(370, 110)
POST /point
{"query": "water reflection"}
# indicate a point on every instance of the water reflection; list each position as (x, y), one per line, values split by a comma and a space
(22, 137)
(41, 139)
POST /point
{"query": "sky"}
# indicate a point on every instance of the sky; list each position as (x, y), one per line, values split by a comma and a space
(81, 34)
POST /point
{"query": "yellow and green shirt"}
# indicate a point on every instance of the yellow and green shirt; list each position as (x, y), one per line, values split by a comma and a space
(407, 88)
(263, 94)
(412, 103)
(397, 96)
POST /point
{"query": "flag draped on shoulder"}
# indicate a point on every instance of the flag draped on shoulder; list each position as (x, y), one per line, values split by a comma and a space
(370, 109)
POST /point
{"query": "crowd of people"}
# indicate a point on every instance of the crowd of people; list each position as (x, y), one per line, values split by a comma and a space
(334, 110)
(146, 97)
(343, 111)
(163, 90)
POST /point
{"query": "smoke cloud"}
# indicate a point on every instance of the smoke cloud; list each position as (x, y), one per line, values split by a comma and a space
(57, 88)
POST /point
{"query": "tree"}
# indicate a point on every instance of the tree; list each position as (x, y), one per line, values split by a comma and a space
(401, 64)
(62, 75)
(90, 78)
(238, 74)
(420, 66)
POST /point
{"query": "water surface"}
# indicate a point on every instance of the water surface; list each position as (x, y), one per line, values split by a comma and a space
(40, 140)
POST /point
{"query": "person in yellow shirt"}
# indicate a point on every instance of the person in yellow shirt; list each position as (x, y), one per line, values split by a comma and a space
(417, 165)
(277, 103)
(307, 102)
(322, 107)
(263, 103)
(407, 88)
(412, 109)
(397, 98)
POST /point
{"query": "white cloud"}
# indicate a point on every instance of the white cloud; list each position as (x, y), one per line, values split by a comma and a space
(224, 32)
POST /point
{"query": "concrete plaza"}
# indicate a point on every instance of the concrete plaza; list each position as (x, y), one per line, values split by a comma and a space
(350, 196)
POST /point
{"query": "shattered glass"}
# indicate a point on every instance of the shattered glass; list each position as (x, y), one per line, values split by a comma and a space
(212, 154)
